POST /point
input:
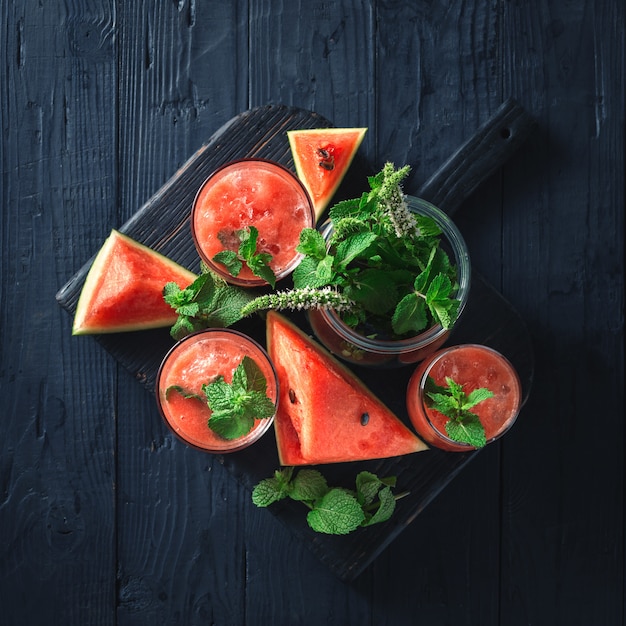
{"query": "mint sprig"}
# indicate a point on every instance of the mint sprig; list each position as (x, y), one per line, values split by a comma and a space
(333, 510)
(235, 406)
(208, 302)
(257, 262)
(463, 426)
(384, 259)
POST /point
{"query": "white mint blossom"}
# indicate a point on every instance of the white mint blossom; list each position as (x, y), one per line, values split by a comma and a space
(299, 299)
(393, 202)
(401, 217)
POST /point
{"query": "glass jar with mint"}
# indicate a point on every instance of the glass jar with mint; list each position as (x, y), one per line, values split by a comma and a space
(384, 280)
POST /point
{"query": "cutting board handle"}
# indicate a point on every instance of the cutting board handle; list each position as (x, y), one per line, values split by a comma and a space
(479, 157)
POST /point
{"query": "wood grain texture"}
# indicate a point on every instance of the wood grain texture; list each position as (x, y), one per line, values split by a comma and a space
(480, 156)
(577, 165)
(57, 516)
(103, 518)
(487, 319)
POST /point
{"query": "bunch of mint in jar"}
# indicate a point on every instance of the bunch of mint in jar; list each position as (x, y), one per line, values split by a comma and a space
(381, 267)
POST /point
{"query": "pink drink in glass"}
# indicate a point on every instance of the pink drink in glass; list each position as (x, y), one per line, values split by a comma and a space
(245, 193)
(472, 366)
(197, 360)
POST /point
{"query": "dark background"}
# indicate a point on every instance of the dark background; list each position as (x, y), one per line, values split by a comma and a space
(105, 518)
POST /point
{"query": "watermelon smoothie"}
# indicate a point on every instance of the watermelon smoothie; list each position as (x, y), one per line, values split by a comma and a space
(197, 360)
(472, 366)
(245, 193)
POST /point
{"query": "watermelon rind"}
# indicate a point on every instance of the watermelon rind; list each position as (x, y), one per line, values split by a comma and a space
(125, 311)
(321, 183)
(319, 416)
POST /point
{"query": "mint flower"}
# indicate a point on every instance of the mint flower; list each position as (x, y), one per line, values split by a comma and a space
(393, 202)
(298, 299)
(401, 218)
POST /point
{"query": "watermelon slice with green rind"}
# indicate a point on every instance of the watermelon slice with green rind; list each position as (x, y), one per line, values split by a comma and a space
(322, 157)
(123, 290)
(325, 413)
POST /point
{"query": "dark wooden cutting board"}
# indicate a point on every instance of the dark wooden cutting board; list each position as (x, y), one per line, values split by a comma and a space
(163, 224)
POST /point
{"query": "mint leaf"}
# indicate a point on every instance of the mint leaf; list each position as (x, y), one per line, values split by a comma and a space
(438, 299)
(344, 208)
(468, 430)
(337, 513)
(224, 307)
(476, 396)
(423, 279)
(376, 497)
(247, 241)
(257, 405)
(440, 264)
(446, 404)
(235, 406)
(259, 266)
(230, 425)
(257, 262)
(268, 491)
(427, 226)
(208, 302)
(450, 400)
(368, 486)
(240, 375)
(308, 485)
(305, 274)
(324, 271)
(336, 510)
(181, 327)
(184, 301)
(312, 244)
(445, 312)
(374, 290)
(354, 246)
(251, 375)
(219, 394)
(439, 288)
(230, 260)
(410, 315)
(385, 509)
(183, 392)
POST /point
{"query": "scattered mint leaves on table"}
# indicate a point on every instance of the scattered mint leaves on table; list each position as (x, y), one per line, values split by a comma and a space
(450, 400)
(208, 302)
(257, 262)
(236, 405)
(333, 510)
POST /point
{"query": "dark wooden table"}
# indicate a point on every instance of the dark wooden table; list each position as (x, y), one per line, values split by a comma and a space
(105, 518)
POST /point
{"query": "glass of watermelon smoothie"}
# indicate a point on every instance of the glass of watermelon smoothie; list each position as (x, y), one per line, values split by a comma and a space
(472, 366)
(366, 350)
(251, 193)
(199, 359)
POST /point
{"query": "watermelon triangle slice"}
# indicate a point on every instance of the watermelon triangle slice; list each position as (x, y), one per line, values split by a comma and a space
(322, 157)
(325, 413)
(123, 290)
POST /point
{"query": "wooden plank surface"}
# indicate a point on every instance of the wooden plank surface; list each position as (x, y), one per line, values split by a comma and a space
(488, 319)
(104, 519)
